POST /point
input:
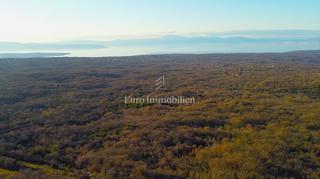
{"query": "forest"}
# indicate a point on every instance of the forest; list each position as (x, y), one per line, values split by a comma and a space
(255, 116)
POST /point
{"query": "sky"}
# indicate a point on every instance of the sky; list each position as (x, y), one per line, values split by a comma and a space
(58, 20)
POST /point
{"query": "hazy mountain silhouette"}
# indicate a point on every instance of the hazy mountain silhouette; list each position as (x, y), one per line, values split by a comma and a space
(268, 41)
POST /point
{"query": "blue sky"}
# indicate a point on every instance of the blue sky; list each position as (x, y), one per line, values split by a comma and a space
(55, 20)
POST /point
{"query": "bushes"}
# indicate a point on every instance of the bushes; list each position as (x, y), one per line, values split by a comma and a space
(31, 174)
(248, 121)
(276, 152)
(9, 163)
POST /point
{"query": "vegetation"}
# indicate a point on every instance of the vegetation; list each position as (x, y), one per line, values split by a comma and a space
(255, 116)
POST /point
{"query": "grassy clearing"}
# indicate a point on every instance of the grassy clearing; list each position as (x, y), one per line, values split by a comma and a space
(5, 172)
(46, 169)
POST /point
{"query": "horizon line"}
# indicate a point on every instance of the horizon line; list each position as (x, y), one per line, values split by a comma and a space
(159, 35)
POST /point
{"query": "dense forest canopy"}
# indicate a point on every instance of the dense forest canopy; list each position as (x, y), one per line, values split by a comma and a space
(255, 116)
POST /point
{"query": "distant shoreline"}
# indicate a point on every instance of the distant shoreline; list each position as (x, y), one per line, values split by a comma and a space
(66, 55)
(32, 55)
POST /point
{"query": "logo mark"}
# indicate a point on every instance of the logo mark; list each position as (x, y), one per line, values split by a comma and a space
(159, 83)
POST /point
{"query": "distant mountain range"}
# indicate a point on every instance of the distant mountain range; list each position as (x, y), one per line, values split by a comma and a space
(31, 55)
(216, 39)
(289, 36)
(14, 46)
(207, 40)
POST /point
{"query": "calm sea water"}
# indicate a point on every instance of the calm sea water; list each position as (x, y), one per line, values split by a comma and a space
(193, 48)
